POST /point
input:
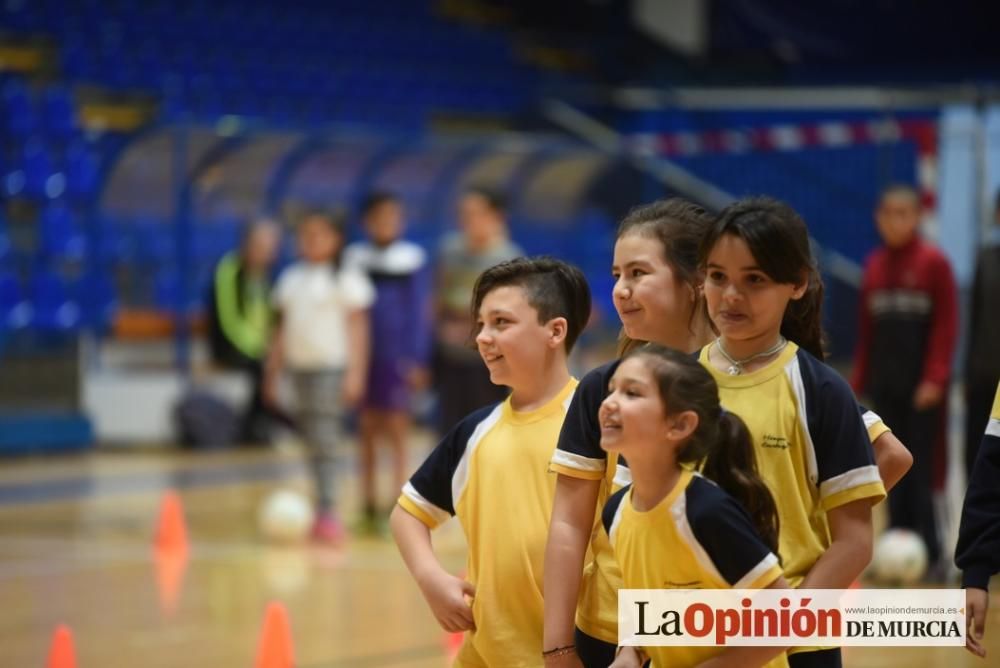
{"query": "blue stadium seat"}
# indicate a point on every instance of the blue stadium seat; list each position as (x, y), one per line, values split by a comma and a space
(59, 113)
(82, 171)
(98, 299)
(18, 108)
(54, 308)
(59, 235)
(15, 311)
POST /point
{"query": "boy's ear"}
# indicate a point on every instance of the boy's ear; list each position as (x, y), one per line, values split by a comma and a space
(558, 328)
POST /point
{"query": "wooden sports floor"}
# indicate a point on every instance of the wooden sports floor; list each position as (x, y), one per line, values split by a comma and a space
(76, 537)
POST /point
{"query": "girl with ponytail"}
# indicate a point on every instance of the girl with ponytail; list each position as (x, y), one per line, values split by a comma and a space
(764, 297)
(663, 414)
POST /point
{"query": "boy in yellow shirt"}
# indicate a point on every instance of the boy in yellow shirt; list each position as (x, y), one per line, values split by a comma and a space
(491, 470)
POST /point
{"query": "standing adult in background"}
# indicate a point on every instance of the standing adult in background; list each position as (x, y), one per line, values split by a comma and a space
(460, 377)
(982, 363)
(400, 342)
(908, 327)
(239, 319)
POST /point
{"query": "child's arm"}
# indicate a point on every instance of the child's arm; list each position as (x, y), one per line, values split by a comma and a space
(357, 359)
(741, 657)
(850, 550)
(892, 458)
(274, 361)
(444, 592)
(978, 549)
(569, 532)
(581, 465)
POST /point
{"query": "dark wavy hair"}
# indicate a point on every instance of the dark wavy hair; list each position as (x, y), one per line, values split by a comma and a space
(779, 241)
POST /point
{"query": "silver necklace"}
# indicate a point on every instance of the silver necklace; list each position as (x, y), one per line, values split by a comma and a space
(736, 366)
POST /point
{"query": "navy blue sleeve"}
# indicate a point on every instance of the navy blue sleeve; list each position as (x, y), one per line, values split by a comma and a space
(727, 534)
(578, 452)
(842, 465)
(429, 489)
(611, 508)
(978, 549)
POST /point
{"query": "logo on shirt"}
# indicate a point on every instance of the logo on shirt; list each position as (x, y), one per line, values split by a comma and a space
(777, 442)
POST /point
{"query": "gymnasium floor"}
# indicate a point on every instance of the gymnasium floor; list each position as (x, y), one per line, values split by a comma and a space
(76, 538)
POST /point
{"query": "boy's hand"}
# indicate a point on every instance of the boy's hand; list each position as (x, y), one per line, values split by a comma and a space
(628, 657)
(928, 395)
(977, 602)
(418, 378)
(352, 389)
(446, 594)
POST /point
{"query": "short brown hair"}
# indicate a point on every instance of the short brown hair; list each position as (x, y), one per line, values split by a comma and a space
(553, 288)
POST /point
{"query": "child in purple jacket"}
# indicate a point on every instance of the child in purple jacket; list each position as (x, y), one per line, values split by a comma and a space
(400, 340)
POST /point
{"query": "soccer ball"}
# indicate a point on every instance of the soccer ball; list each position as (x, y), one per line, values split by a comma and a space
(285, 517)
(900, 557)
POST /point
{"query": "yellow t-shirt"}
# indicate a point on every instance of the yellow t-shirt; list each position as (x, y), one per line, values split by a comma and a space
(579, 455)
(710, 543)
(812, 447)
(490, 471)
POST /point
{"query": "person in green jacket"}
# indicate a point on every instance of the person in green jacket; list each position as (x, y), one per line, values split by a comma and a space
(239, 319)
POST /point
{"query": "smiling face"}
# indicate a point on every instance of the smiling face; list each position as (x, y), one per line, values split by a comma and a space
(650, 299)
(632, 414)
(511, 341)
(744, 303)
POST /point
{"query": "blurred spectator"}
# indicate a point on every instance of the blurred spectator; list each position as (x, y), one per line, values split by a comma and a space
(400, 341)
(321, 336)
(908, 326)
(239, 320)
(982, 364)
(460, 377)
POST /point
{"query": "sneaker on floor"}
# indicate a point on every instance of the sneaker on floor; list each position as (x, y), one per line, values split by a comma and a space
(328, 529)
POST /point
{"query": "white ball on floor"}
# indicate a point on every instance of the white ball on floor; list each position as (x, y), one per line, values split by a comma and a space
(900, 557)
(285, 517)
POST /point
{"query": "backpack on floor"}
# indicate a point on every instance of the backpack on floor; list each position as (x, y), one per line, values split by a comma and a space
(204, 421)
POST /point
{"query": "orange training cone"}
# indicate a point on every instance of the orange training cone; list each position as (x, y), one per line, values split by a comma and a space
(170, 566)
(452, 644)
(171, 531)
(275, 648)
(62, 654)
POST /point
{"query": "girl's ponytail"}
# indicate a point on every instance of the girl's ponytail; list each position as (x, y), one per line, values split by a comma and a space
(732, 464)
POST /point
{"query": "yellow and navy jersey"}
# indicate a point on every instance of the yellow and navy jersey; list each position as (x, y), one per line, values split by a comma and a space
(579, 455)
(978, 550)
(709, 541)
(491, 472)
(812, 447)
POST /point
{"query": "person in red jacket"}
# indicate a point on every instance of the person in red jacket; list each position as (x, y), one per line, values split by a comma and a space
(908, 328)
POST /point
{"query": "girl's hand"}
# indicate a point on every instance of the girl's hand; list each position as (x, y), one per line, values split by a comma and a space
(628, 657)
(352, 389)
(446, 594)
